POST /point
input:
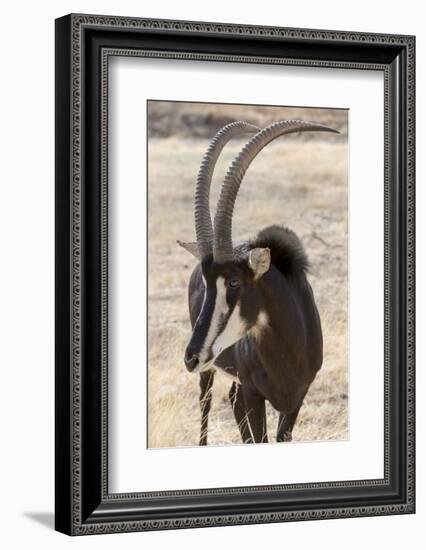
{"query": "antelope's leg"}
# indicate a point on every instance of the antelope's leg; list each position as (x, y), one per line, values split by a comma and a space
(255, 415)
(287, 421)
(237, 403)
(206, 383)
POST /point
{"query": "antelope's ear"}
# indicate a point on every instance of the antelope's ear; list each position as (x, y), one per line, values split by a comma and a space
(259, 261)
(192, 248)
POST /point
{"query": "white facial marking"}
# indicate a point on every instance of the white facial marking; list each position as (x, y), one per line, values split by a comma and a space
(220, 309)
(234, 330)
(261, 323)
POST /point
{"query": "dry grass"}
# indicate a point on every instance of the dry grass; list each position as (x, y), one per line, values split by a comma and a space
(303, 187)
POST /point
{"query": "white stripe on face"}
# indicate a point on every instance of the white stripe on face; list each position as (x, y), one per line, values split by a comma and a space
(234, 330)
(221, 308)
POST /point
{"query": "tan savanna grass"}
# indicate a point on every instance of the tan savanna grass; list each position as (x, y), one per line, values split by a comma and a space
(301, 183)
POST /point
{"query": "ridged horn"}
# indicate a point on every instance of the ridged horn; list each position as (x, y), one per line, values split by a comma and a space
(203, 222)
(222, 240)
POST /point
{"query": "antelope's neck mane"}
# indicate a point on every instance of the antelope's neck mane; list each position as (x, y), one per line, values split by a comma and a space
(287, 252)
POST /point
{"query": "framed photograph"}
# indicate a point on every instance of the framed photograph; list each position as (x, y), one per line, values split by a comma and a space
(234, 274)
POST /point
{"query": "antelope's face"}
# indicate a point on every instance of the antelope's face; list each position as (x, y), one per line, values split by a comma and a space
(230, 308)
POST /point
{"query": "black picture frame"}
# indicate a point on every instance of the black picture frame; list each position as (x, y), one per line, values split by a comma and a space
(83, 45)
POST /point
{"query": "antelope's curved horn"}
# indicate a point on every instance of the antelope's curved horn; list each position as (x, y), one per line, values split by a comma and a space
(222, 240)
(203, 223)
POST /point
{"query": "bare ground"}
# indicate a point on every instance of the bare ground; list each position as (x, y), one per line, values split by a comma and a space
(301, 184)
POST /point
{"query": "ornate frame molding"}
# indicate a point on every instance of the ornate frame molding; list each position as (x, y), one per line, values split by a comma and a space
(72, 46)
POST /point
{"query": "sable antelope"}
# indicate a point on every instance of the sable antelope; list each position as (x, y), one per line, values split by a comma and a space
(252, 309)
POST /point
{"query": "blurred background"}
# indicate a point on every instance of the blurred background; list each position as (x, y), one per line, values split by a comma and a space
(201, 120)
(300, 181)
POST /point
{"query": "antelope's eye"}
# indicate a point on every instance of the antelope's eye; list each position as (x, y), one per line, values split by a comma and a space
(234, 283)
